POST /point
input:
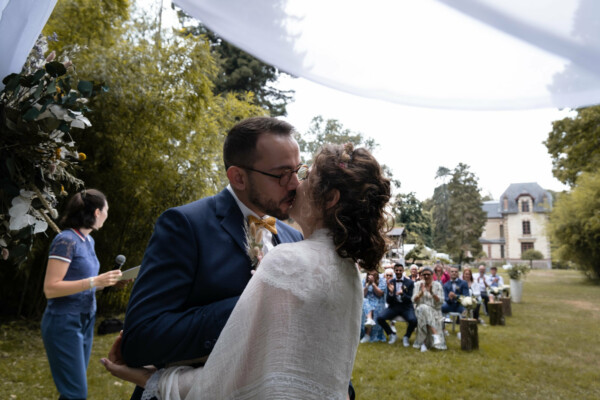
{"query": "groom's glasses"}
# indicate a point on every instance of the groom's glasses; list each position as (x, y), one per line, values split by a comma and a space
(284, 178)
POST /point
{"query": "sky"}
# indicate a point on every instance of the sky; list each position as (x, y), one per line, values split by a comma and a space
(501, 147)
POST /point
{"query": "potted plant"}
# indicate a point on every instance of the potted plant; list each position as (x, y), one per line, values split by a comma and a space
(517, 273)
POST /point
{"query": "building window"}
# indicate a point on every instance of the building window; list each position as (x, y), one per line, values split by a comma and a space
(505, 203)
(501, 230)
(501, 251)
(525, 206)
(526, 228)
(526, 246)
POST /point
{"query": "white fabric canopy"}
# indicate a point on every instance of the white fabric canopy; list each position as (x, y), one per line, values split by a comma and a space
(479, 54)
(21, 22)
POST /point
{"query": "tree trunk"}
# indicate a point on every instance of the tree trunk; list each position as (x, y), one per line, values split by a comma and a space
(469, 338)
(506, 306)
(495, 312)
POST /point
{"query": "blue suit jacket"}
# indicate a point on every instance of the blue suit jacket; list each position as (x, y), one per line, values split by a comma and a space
(406, 297)
(462, 289)
(193, 271)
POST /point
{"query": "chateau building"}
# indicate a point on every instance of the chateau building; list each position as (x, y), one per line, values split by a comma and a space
(517, 223)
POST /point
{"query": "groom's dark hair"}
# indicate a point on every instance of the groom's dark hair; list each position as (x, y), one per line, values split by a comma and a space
(239, 148)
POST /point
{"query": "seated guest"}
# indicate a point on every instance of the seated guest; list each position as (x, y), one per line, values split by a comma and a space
(388, 274)
(428, 299)
(474, 290)
(398, 296)
(373, 306)
(483, 280)
(495, 279)
(439, 274)
(414, 273)
(454, 288)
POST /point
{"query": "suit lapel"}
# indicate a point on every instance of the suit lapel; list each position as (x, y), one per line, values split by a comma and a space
(231, 217)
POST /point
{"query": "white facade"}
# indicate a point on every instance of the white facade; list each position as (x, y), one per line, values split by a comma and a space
(517, 223)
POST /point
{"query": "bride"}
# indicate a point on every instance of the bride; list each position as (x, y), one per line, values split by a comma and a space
(295, 330)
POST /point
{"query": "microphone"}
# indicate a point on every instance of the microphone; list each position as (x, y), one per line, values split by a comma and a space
(119, 261)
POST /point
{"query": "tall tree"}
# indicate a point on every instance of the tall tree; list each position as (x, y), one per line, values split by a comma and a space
(466, 217)
(439, 209)
(575, 224)
(411, 215)
(323, 131)
(574, 144)
(240, 72)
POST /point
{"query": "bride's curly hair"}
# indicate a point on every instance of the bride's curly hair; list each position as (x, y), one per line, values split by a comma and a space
(358, 220)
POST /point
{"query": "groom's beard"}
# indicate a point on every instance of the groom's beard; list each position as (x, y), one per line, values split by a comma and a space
(269, 206)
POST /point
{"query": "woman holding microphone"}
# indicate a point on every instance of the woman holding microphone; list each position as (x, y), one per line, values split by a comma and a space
(70, 284)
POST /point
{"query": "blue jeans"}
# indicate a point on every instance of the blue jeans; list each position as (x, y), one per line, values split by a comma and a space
(68, 341)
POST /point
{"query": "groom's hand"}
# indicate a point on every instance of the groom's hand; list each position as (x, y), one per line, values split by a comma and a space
(114, 355)
(116, 365)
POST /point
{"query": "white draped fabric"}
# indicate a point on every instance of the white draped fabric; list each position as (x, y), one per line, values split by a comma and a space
(292, 335)
(476, 54)
(21, 22)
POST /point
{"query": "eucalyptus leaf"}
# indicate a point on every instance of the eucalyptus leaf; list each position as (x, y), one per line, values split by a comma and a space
(31, 114)
(85, 88)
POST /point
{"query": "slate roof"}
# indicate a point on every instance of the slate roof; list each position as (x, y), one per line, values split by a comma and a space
(396, 232)
(515, 190)
(492, 208)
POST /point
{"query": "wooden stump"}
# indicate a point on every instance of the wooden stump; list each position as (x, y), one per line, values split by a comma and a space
(495, 313)
(469, 338)
(506, 307)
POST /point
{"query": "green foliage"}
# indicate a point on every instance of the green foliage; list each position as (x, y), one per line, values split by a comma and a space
(38, 110)
(519, 271)
(458, 218)
(531, 255)
(240, 72)
(322, 132)
(575, 224)
(419, 252)
(466, 217)
(157, 134)
(411, 215)
(574, 144)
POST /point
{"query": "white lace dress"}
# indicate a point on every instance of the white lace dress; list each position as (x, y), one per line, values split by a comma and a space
(292, 335)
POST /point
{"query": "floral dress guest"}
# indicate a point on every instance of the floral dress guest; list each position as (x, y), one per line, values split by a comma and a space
(373, 305)
(428, 297)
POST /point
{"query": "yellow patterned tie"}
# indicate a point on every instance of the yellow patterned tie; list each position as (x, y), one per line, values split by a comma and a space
(267, 223)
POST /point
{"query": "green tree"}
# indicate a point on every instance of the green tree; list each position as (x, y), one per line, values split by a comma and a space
(531, 255)
(575, 224)
(466, 217)
(410, 214)
(574, 145)
(323, 131)
(240, 72)
(439, 209)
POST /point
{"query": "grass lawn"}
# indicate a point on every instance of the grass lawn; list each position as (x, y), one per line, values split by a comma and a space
(549, 349)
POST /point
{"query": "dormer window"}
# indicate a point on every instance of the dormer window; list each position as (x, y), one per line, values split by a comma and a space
(525, 205)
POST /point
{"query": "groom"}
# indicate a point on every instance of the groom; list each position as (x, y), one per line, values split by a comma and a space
(195, 266)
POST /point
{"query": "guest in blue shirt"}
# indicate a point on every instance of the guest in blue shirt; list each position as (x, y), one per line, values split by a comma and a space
(70, 284)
